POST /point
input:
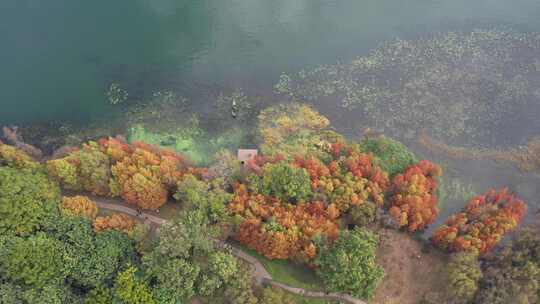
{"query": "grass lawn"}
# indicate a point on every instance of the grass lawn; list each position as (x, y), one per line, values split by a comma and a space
(289, 273)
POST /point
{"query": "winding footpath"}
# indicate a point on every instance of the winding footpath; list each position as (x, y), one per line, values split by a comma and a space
(260, 274)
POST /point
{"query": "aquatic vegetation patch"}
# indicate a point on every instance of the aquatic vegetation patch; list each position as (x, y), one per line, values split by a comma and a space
(455, 191)
(456, 85)
(191, 141)
(115, 94)
(163, 110)
(526, 158)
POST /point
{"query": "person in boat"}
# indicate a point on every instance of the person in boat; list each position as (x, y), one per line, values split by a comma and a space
(234, 109)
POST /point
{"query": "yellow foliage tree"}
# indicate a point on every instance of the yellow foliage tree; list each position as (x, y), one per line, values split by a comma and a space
(79, 206)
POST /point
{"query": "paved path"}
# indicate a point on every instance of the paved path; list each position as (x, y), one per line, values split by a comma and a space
(260, 274)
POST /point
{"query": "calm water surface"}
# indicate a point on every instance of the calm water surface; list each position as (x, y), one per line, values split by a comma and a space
(58, 57)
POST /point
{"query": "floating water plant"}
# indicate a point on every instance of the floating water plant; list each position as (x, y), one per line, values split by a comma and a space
(116, 94)
(455, 85)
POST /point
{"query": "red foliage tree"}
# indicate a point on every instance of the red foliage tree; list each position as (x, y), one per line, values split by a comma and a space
(414, 203)
(482, 223)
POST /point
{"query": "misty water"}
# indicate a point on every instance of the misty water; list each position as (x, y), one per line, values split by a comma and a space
(59, 57)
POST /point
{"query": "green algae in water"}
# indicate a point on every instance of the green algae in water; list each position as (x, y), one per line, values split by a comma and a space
(193, 142)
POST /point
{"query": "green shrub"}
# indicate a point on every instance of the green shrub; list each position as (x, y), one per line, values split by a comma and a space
(393, 156)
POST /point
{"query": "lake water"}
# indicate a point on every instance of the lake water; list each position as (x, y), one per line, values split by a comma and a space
(58, 57)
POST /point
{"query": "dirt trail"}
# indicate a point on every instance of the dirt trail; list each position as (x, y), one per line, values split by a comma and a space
(260, 274)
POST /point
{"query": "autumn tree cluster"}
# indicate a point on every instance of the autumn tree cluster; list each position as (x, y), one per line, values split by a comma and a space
(141, 174)
(482, 223)
(308, 178)
(58, 250)
(414, 201)
(279, 230)
(349, 179)
(287, 201)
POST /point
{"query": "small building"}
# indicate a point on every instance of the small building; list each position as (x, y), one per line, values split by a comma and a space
(244, 155)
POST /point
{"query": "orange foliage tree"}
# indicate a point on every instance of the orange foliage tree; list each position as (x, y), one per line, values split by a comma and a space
(482, 223)
(414, 202)
(278, 230)
(116, 221)
(79, 206)
(143, 174)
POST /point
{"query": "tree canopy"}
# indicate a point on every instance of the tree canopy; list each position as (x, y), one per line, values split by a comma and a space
(27, 200)
(349, 264)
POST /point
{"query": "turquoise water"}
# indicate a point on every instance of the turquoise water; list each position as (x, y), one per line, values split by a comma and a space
(58, 57)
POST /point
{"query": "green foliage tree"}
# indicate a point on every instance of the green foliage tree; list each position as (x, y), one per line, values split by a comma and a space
(9, 293)
(186, 262)
(512, 274)
(175, 278)
(208, 197)
(28, 199)
(171, 264)
(238, 289)
(91, 259)
(286, 182)
(50, 294)
(222, 264)
(364, 214)
(271, 295)
(129, 289)
(349, 265)
(393, 156)
(99, 295)
(463, 273)
(36, 261)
